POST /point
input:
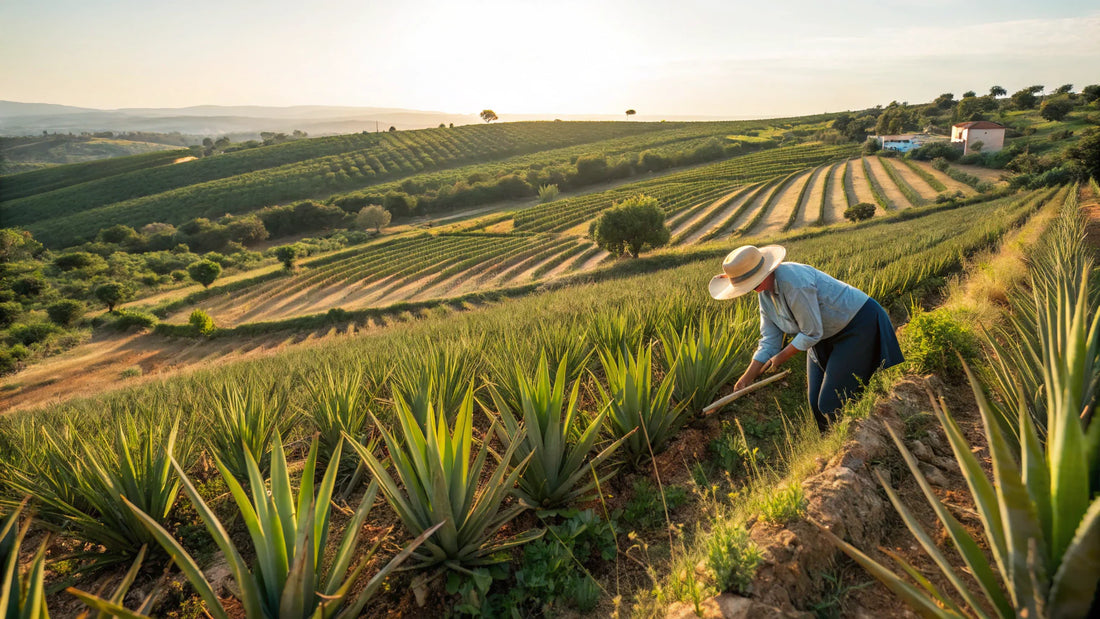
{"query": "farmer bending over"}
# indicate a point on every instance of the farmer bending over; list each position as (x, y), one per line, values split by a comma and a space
(847, 334)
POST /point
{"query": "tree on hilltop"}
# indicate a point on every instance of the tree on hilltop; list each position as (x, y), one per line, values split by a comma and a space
(630, 113)
(373, 216)
(1064, 89)
(1026, 98)
(488, 115)
(630, 226)
(997, 91)
(1091, 93)
(1056, 108)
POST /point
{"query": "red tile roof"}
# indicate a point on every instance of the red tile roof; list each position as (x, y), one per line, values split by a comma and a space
(979, 124)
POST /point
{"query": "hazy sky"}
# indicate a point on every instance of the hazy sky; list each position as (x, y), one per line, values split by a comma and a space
(711, 57)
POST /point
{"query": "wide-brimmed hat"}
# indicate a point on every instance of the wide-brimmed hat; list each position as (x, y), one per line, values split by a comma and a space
(743, 270)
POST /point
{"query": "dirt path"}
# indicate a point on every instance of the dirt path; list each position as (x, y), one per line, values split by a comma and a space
(889, 188)
(918, 184)
(836, 202)
(810, 209)
(782, 207)
(859, 183)
(951, 184)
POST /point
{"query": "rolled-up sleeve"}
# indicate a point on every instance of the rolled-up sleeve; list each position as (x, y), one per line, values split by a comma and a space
(807, 313)
(771, 339)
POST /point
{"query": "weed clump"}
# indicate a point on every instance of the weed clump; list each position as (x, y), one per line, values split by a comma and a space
(932, 339)
(732, 556)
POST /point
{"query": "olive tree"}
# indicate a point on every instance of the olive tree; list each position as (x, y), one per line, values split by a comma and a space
(630, 226)
(373, 216)
(488, 115)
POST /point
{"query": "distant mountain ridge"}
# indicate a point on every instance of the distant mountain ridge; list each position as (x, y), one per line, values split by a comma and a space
(240, 121)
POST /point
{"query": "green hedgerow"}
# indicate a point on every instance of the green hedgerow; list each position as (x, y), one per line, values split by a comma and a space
(931, 340)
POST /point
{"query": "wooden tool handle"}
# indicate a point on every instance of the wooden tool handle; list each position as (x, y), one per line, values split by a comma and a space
(736, 394)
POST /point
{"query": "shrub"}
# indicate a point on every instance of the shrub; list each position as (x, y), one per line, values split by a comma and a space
(732, 556)
(940, 164)
(201, 322)
(373, 216)
(630, 226)
(859, 212)
(9, 313)
(124, 319)
(66, 312)
(287, 253)
(33, 333)
(547, 193)
(931, 340)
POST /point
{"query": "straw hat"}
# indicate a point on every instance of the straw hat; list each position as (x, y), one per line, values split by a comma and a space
(743, 270)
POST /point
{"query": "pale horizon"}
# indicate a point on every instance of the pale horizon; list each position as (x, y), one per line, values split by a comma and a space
(691, 58)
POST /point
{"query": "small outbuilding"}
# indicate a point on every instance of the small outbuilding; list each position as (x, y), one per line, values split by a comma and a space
(978, 136)
(903, 143)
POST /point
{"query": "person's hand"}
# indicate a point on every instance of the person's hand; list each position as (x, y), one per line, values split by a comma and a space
(742, 383)
(771, 365)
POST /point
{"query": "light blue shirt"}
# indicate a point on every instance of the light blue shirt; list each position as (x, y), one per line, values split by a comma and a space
(807, 304)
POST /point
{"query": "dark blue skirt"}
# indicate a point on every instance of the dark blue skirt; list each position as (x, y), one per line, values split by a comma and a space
(838, 367)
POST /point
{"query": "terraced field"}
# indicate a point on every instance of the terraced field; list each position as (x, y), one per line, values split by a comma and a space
(754, 196)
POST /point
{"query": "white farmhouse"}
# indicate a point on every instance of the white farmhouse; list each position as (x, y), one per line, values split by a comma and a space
(990, 135)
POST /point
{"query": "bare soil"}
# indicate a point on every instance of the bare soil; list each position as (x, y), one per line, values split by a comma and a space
(889, 188)
(836, 202)
(782, 207)
(807, 216)
(918, 184)
(951, 184)
(724, 207)
(859, 183)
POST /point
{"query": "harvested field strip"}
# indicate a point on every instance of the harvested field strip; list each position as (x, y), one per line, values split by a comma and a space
(720, 213)
(893, 192)
(909, 183)
(558, 260)
(878, 196)
(801, 206)
(532, 260)
(828, 184)
(836, 200)
(928, 178)
(951, 184)
(738, 215)
(768, 205)
(782, 205)
(850, 196)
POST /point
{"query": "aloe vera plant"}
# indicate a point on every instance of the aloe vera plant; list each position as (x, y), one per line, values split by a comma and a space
(21, 596)
(244, 421)
(339, 406)
(554, 434)
(1040, 513)
(443, 492)
(83, 486)
(638, 409)
(437, 374)
(289, 577)
(703, 360)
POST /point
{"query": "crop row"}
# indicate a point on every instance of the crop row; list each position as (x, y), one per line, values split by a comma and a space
(676, 192)
(63, 216)
(57, 177)
(903, 186)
